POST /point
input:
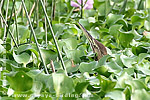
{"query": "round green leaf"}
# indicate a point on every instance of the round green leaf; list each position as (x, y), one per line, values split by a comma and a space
(20, 81)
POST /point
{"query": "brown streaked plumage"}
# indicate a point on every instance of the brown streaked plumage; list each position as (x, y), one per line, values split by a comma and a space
(96, 46)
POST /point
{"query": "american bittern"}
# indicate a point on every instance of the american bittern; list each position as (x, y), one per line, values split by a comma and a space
(96, 46)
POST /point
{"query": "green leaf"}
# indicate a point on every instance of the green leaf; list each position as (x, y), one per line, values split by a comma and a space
(147, 4)
(46, 80)
(37, 87)
(70, 66)
(114, 30)
(128, 61)
(114, 67)
(87, 67)
(74, 55)
(141, 94)
(103, 70)
(81, 87)
(2, 49)
(31, 47)
(123, 22)
(116, 95)
(48, 55)
(62, 84)
(136, 84)
(142, 56)
(139, 49)
(20, 81)
(85, 23)
(125, 38)
(103, 7)
(23, 58)
(7, 46)
(23, 32)
(113, 18)
(147, 25)
(39, 32)
(103, 60)
(58, 29)
(130, 12)
(71, 43)
(137, 21)
(122, 79)
(94, 32)
(106, 84)
(136, 35)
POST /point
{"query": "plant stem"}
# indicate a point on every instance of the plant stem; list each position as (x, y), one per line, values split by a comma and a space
(32, 25)
(17, 33)
(9, 30)
(22, 13)
(6, 17)
(33, 22)
(9, 20)
(52, 66)
(33, 6)
(37, 14)
(34, 37)
(53, 10)
(57, 47)
(81, 8)
(1, 12)
(45, 1)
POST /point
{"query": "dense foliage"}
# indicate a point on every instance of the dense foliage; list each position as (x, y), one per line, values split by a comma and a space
(121, 25)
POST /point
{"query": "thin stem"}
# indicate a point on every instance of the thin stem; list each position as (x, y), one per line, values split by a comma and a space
(2, 4)
(6, 18)
(9, 30)
(33, 6)
(53, 10)
(32, 25)
(9, 20)
(22, 13)
(17, 33)
(34, 37)
(52, 66)
(37, 14)
(45, 25)
(81, 8)
(57, 47)
(33, 21)
(1, 12)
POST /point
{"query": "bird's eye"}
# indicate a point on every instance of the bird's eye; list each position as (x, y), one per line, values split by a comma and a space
(95, 46)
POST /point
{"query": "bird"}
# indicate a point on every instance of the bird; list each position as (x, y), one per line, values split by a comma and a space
(96, 46)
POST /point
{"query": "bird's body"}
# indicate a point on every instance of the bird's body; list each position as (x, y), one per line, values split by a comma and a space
(96, 46)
